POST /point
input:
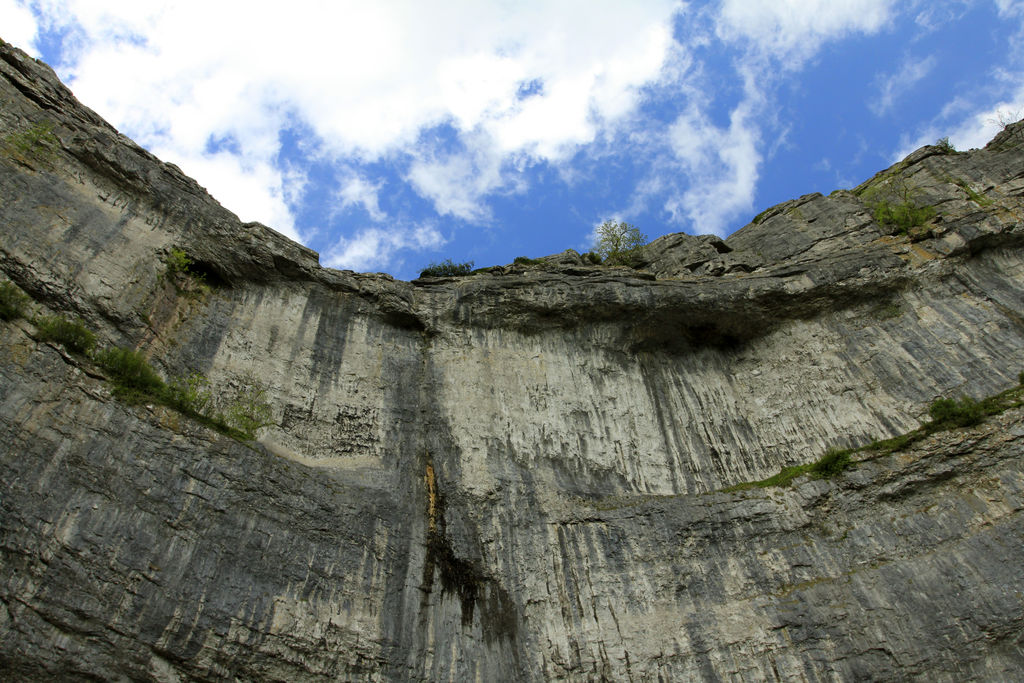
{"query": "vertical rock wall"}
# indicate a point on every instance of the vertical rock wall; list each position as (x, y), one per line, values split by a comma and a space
(513, 476)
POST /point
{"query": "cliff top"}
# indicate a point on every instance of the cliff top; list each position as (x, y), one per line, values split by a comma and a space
(791, 260)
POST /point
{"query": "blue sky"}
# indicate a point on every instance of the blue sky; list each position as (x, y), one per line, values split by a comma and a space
(388, 135)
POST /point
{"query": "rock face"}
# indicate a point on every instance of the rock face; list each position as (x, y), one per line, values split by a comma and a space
(515, 475)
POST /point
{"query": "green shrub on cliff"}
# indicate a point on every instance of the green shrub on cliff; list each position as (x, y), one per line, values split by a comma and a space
(249, 411)
(178, 261)
(13, 302)
(136, 381)
(129, 371)
(181, 272)
(832, 463)
(72, 335)
(895, 204)
(447, 268)
(902, 216)
(190, 393)
(949, 412)
(946, 414)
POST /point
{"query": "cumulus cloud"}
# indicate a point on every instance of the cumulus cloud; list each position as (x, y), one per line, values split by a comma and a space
(256, 185)
(366, 78)
(457, 183)
(721, 160)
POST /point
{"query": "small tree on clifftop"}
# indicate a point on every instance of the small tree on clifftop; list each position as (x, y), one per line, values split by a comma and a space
(617, 241)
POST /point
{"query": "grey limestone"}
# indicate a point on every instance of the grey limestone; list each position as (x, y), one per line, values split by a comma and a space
(516, 475)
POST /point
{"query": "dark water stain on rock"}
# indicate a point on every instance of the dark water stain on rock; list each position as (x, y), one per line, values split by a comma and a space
(461, 578)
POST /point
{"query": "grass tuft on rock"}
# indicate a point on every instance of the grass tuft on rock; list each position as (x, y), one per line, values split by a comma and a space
(73, 335)
(13, 302)
(448, 268)
(130, 372)
(962, 413)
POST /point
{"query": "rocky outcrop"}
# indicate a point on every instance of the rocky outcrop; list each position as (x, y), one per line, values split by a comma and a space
(515, 475)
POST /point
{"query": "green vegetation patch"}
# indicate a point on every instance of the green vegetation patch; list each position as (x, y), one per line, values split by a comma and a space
(73, 335)
(181, 271)
(135, 381)
(618, 242)
(895, 205)
(526, 261)
(178, 261)
(761, 216)
(903, 216)
(834, 462)
(962, 413)
(191, 394)
(130, 372)
(448, 268)
(946, 146)
(37, 142)
(249, 411)
(13, 302)
(947, 413)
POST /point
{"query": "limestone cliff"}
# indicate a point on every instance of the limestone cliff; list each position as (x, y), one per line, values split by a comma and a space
(516, 475)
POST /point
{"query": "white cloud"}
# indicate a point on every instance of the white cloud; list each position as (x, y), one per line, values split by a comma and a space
(457, 183)
(898, 84)
(968, 130)
(356, 190)
(793, 30)
(971, 120)
(703, 171)
(978, 129)
(721, 164)
(1013, 11)
(19, 26)
(366, 79)
(511, 86)
(255, 185)
(1010, 7)
(375, 247)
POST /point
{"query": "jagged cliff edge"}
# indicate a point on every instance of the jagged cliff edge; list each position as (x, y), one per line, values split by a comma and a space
(510, 476)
